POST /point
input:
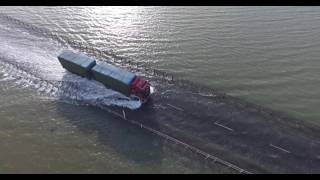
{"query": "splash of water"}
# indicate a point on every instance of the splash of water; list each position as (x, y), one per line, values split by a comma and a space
(36, 66)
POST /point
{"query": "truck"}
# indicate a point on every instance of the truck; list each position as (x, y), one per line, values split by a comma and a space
(112, 77)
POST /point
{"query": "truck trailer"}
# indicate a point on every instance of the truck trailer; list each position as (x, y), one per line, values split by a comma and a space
(111, 76)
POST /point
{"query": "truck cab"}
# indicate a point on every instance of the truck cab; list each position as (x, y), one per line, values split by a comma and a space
(140, 88)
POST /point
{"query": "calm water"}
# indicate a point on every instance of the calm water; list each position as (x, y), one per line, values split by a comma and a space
(267, 55)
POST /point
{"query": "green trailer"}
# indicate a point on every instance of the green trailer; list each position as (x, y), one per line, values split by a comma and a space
(77, 63)
(113, 77)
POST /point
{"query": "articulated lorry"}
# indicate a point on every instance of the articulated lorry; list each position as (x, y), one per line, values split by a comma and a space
(111, 76)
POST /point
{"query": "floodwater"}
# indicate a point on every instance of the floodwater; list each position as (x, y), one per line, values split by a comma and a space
(266, 55)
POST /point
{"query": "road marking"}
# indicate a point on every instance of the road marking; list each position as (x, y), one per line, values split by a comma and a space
(176, 141)
(166, 91)
(223, 126)
(124, 114)
(160, 106)
(175, 107)
(277, 147)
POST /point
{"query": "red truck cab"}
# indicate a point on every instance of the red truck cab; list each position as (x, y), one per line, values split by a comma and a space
(140, 88)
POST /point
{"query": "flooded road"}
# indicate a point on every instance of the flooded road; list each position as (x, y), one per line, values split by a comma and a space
(55, 122)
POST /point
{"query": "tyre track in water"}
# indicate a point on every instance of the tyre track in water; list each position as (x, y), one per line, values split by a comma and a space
(212, 124)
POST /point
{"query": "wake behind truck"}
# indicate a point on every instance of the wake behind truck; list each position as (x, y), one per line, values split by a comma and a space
(111, 76)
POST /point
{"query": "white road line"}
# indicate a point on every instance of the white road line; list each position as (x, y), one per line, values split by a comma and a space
(124, 114)
(223, 126)
(175, 107)
(277, 147)
(160, 106)
(173, 140)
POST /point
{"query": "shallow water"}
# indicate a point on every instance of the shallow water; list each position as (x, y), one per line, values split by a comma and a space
(268, 55)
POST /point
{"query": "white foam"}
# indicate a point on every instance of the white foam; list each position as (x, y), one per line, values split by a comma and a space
(33, 62)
